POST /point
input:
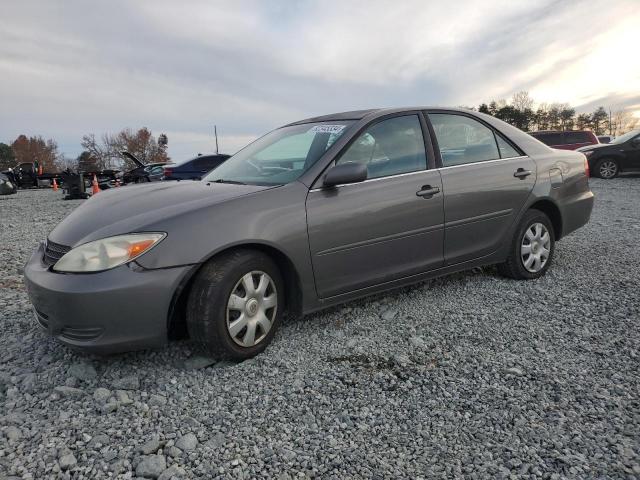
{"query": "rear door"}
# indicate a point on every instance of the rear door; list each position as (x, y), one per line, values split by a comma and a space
(384, 228)
(486, 181)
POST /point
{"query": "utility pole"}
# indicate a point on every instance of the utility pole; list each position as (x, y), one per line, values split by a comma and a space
(610, 121)
(215, 133)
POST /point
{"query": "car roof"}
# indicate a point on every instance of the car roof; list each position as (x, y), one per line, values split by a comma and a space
(372, 112)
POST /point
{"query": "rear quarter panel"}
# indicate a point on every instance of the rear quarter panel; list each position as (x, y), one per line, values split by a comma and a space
(563, 181)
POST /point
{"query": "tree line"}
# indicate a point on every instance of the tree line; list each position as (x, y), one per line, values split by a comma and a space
(521, 112)
(98, 153)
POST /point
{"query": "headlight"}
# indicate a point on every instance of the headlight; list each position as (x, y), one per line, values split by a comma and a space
(107, 253)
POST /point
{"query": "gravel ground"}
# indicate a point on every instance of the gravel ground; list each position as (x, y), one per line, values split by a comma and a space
(471, 376)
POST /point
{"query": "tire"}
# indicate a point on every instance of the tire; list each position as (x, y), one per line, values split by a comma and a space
(534, 221)
(607, 168)
(210, 316)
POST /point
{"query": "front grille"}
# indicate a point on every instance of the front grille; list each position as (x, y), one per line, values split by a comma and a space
(54, 252)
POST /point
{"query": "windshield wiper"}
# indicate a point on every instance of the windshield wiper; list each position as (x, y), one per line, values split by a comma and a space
(233, 182)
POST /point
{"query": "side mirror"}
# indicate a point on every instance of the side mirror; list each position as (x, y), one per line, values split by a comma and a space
(636, 142)
(351, 172)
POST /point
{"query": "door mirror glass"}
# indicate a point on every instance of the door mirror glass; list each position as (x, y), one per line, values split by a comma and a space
(350, 172)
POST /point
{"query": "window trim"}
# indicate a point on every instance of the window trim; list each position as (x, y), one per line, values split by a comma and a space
(496, 132)
(482, 162)
(427, 138)
(369, 180)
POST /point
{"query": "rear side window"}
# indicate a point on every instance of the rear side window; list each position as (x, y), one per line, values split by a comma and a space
(550, 138)
(506, 150)
(389, 147)
(204, 163)
(463, 140)
(577, 137)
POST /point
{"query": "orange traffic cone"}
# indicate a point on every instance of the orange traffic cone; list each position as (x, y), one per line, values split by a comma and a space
(55, 185)
(94, 185)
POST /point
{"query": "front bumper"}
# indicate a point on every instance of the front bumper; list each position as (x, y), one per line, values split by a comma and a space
(118, 310)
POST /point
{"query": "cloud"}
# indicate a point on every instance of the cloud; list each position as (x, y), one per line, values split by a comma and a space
(71, 68)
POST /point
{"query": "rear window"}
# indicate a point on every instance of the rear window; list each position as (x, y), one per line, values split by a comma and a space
(577, 137)
(549, 138)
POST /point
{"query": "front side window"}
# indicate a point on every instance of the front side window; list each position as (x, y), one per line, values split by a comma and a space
(281, 156)
(389, 147)
(463, 140)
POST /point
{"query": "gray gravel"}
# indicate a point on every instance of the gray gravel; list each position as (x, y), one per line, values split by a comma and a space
(472, 376)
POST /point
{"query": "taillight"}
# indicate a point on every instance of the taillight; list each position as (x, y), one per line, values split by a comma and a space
(586, 167)
(168, 172)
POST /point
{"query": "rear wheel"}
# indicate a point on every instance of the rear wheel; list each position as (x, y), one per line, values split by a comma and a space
(607, 168)
(531, 249)
(235, 304)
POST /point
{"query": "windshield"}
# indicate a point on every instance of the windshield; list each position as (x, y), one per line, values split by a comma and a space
(626, 136)
(281, 156)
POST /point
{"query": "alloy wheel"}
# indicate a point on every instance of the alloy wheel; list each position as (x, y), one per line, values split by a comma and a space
(535, 247)
(251, 308)
(608, 169)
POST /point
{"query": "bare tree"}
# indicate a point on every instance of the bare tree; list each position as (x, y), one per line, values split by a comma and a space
(522, 101)
(140, 143)
(623, 121)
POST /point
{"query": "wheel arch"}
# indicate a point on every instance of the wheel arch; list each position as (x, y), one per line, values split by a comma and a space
(551, 210)
(176, 324)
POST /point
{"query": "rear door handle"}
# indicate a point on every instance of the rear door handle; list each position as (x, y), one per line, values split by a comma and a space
(521, 173)
(427, 191)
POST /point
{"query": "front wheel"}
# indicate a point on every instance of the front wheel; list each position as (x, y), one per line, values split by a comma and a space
(531, 249)
(235, 304)
(607, 168)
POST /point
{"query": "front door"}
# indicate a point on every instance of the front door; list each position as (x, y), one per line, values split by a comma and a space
(486, 182)
(385, 228)
(631, 152)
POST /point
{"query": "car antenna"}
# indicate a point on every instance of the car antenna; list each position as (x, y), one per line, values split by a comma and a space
(215, 133)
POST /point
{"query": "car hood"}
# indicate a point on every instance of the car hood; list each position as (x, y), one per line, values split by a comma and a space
(590, 148)
(132, 208)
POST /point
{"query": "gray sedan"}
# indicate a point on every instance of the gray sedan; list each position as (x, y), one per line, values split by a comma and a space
(315, 213)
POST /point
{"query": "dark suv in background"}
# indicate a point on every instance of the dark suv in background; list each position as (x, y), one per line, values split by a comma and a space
(194, 168)
(567, 140)
(621, 155)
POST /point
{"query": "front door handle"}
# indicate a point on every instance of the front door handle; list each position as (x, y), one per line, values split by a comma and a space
(521, 173)
(427, 191)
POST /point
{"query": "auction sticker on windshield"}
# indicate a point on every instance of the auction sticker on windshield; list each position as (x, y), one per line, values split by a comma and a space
(327, 129)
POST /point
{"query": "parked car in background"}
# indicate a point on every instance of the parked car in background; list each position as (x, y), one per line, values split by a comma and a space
(621, 155)
(605, 138)
(566, 140)
(313, 214)
(28, 175)
(7, 184)
(194, 168)
(143, 173)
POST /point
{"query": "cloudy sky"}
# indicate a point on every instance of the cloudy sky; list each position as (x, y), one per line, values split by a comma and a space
(68, 68)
